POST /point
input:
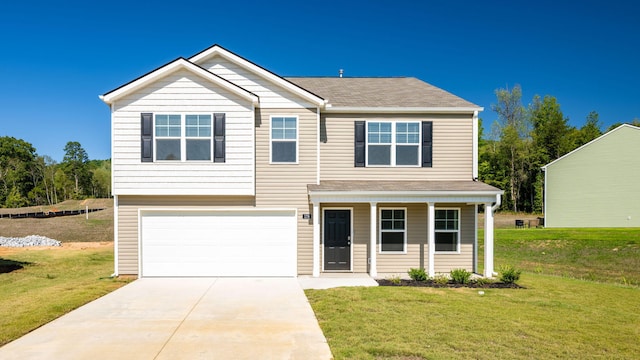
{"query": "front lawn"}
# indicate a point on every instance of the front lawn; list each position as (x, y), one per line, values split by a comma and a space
(553, 317)
(50, 284)
(606, 255)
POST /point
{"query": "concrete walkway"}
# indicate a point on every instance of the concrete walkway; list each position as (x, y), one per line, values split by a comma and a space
(184, 318)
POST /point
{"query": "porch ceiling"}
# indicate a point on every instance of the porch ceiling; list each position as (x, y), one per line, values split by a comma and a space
(403, 191)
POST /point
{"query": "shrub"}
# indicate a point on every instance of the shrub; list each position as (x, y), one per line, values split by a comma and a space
(482, 282)
(509, 274)
(460, 276)
(441, 279)
(417, 274)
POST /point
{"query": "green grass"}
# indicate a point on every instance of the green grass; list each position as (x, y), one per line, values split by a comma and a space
(581, 301)
(553, 317)
(605, 255)
(50, 284)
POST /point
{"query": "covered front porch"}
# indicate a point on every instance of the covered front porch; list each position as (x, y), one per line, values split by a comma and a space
(391, 226)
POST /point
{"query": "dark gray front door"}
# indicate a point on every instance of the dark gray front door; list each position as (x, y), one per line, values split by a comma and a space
(337, 239)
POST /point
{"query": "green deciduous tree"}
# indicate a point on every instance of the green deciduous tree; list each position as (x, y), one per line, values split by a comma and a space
(74, 164)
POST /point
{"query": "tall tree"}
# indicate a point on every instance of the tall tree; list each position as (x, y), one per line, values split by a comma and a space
(513, 128)
(74, 164)
(590, 130)
(551, 131)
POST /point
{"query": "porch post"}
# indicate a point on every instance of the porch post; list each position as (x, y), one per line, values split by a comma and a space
(431, 238)
(316, 239)
(373, 271)
(488, 240)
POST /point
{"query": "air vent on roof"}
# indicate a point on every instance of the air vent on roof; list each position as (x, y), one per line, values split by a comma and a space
(340, 72)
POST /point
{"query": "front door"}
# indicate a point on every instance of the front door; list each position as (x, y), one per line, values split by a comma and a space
(337, 239)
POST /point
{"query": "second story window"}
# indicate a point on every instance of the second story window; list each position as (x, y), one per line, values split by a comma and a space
(284, 139)
(183, 137)
(393, 143)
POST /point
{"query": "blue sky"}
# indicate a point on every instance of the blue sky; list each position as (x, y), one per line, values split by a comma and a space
(56, 57)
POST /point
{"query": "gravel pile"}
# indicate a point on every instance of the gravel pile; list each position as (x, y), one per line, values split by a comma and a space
(31, 240)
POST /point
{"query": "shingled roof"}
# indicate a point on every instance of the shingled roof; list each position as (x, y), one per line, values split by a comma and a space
(407, 92)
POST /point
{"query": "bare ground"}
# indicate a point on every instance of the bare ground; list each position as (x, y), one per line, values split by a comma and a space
(97, 228)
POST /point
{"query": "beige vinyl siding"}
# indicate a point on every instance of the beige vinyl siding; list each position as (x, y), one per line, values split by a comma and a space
(128, 231)
(597, 185)
(179, 93)
(285, 185)
(452, 149)
(417, 255)
(271, 95)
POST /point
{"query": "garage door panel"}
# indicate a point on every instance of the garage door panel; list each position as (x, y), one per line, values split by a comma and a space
(211, 244)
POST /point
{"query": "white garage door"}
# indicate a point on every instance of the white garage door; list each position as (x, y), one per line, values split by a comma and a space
(218, 243)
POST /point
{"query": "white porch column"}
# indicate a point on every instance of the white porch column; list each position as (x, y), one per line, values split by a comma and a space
(431, 237)
(488, 240)
(373, 220)
(316, 239)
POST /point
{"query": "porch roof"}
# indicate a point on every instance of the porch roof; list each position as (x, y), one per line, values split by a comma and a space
(403, 191)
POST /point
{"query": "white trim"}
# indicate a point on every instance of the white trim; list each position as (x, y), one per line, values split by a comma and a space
(590, 142)
(171, 67)
(402, 110)
(318, 146)
(544, 197)
(488, 238)
(404, 231)
(470, 197)
(458, 231)
(474, 160)
(373, 266)
(227, 55)
(271, 162)
(350, 236)
(116, 238)
(431, 238)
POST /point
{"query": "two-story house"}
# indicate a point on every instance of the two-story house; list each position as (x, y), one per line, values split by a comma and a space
(223, 168)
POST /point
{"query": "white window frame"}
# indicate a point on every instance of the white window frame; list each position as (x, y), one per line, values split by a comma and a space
(404, 231)
(183, 138)
(457, 231)
(271, 140)
(394, 144)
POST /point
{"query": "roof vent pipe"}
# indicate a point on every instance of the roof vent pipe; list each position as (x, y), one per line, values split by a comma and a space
(340, 72)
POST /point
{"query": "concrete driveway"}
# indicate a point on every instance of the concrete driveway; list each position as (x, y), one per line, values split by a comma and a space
(184, 318)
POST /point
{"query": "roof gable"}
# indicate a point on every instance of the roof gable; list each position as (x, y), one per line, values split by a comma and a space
(217, 50)
(600, 138)
(169, 68)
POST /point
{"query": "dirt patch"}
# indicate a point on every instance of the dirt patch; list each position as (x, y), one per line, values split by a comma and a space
(65, 246)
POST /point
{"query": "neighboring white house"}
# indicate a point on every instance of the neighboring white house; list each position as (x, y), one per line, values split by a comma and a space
(223, 168)
(596, 185)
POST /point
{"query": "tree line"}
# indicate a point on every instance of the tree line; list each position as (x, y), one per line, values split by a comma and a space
(522, 140)
(28, 179)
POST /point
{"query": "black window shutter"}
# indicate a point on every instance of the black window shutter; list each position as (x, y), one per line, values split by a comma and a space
(146, 137)
(218, 137)
(360, 148)
(427, 144)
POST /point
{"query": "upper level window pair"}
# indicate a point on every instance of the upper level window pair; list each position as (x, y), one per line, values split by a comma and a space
(393, 143)
(183, 134)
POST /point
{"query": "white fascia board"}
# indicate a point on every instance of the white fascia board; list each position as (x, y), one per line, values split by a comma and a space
(402, 110)
(171, 67)
(544, 168)
(470, 197)
(238, 60)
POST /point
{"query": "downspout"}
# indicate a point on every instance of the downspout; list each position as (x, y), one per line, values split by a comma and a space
(497, 204)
